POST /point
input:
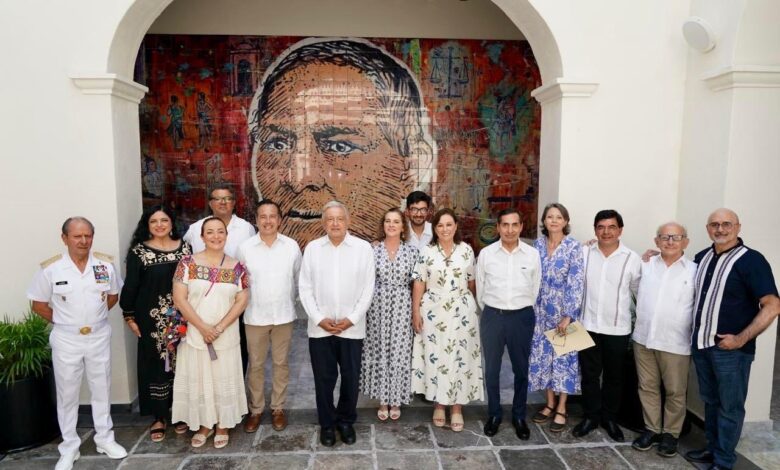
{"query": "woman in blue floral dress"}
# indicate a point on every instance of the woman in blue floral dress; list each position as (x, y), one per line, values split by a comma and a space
(385, 374)
(557, 305)
(446, 357)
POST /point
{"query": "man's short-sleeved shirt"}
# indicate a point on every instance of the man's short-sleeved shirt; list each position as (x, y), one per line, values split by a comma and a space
(728, 289)
(77, 298)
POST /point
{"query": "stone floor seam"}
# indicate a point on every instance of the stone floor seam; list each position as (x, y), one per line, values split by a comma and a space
(435, 446)
(373, 448)
(552, 446)
(623, 458)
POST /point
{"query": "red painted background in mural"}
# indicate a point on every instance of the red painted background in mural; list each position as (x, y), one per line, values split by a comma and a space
(195, 128)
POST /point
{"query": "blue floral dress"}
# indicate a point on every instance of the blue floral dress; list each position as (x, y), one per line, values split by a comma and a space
(385, 374)
(446, 356)
(560, 296)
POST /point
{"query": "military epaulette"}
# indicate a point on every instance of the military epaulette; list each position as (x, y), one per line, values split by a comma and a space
(103, 257)
(51, 260)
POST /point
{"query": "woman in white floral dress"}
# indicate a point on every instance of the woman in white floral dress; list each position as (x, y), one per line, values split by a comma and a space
(446, 357)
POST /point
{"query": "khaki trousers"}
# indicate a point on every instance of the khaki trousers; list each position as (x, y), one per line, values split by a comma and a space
(258, 339)
(656, 369)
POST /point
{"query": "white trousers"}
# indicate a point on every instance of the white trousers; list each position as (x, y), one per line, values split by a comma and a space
(72, 354)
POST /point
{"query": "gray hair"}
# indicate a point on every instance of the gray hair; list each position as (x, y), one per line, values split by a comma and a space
(331, 205)
(77, 218)
(676, 224)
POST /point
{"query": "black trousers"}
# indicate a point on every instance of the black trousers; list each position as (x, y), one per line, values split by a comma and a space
(602, 376)
(513, 329)
(329, 356)
(244, 350)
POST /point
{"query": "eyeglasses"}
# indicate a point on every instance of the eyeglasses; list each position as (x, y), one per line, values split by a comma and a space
(223, 199)
(418, 210)
(723, 225)
(672, 238)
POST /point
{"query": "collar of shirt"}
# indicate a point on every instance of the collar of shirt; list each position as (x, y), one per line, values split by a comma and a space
(427, 229)
(739, 243)
(621, 249)
(349, 240)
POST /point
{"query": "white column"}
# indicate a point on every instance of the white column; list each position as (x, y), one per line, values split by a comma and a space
(108, 126)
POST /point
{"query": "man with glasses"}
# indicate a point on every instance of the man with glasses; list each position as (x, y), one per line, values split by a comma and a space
(222, 203)
(662, 339)
(736, 300)
(418, 205)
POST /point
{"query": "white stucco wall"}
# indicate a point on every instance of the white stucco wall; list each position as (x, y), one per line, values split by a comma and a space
(627, 121)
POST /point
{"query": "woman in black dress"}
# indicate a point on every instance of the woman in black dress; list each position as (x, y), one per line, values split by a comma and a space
(147, 306)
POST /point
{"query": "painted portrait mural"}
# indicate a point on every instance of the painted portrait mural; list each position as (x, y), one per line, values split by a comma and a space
(306, 120)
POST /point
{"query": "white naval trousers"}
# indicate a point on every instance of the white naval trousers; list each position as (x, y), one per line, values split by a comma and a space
(72, 354)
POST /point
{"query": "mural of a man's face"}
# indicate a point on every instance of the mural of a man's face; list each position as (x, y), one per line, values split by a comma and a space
(319, 139)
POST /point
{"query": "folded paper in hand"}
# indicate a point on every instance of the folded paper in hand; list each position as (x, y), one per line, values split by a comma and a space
(575, 339)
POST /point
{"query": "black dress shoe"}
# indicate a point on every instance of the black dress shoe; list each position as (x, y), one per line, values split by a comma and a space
(700, 456)
(668, 445)
(347, 433)
(584, 427)
(327, 437)
(613, 430)
(491, 426)
(646, 441)
(521, 429)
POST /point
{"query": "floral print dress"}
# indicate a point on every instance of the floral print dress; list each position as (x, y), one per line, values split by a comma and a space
(385, 373)
(446, 357)
(560, 295)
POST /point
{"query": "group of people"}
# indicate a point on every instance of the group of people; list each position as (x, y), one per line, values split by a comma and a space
(401, 316)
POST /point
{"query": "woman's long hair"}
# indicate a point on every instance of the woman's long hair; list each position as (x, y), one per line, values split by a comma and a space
(142, 232)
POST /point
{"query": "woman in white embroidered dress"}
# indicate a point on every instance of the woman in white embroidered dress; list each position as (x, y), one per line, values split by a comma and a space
(210, 290)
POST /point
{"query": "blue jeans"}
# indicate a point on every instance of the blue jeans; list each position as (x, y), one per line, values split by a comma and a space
(515, 331)
(723, 384)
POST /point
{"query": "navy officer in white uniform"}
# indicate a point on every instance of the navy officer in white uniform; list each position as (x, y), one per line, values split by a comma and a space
(74, 291)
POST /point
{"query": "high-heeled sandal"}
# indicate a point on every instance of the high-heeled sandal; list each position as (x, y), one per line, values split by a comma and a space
(456, 422)
(395, 413)
(381, 414)
(439, 417)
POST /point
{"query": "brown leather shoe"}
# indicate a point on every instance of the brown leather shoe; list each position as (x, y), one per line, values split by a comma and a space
(278, 420)
(252, 422)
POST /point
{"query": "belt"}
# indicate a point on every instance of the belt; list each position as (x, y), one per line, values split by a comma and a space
(82, 330)
(502, 311)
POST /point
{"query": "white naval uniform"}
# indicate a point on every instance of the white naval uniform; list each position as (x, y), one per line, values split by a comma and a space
(80, 339)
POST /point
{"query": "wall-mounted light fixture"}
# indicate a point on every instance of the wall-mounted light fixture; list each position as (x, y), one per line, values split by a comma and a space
(699, 34)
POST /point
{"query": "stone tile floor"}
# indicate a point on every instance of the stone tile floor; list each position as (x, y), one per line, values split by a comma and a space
(410, 443)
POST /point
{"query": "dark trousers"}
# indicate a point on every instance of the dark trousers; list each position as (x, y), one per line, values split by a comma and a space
(602, 376)
(244, 350)
(513, 329)
(723, 385)
(329, 356)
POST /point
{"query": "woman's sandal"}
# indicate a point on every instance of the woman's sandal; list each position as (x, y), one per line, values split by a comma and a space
(198, 439)
(558, 427)
(221, 440)
(456, 422)
(180, 427)
(540, 417)
(395, 413)
(381, 414)
(157, 434)
(439, 417)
